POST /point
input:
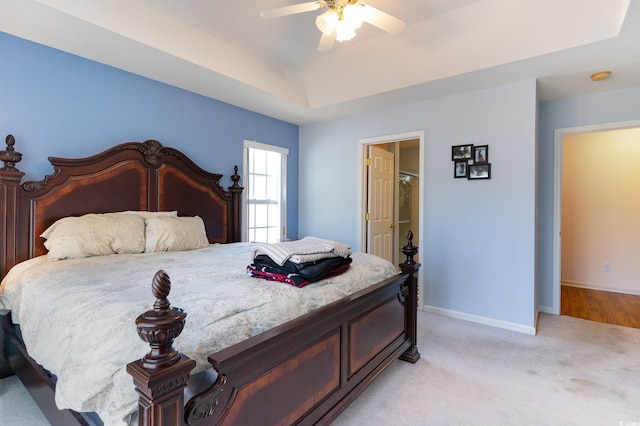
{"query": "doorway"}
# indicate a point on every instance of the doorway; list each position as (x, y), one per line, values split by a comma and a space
(594, 266)
(408, 187)
(408, 206)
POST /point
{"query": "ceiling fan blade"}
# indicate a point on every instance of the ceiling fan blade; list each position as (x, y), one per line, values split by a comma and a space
(327, 42)
(291, 10)
(382, 20)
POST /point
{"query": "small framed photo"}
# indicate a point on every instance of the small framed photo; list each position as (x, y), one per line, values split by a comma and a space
(460, 169)
(479, 171)
(462, 152)
(481, 154)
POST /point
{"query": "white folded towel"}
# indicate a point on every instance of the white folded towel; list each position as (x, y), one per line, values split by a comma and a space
(308, 249)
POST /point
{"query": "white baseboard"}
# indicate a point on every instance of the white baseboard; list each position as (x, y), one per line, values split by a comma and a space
(482, 320)
(546, 309)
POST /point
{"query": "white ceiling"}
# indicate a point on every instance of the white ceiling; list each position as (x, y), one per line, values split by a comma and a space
(224, 50)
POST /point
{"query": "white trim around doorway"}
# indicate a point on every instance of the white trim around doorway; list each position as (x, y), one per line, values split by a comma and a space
(559, 134)
(362, 146)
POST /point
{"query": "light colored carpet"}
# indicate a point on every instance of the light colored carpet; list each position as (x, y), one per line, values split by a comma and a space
(574, 372)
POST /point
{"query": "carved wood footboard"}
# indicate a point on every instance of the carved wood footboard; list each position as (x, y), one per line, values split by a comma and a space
(305, 371)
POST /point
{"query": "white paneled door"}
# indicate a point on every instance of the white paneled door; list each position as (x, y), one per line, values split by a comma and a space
(380, 224)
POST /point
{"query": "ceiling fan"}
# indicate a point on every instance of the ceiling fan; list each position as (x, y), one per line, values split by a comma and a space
(340, 20)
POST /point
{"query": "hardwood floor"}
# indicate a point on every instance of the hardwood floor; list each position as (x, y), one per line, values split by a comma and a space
(602, 306)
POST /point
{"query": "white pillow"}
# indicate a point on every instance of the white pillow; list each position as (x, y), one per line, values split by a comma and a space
(94, 235)
(146, 215)
(167, 233)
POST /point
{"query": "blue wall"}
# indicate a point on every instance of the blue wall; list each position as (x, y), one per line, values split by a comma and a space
(61, 105)
(478, 238)
(608, 107)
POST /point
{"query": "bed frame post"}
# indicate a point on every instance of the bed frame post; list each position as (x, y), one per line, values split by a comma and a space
(10, 179)
(410, 266)
(161, 375)
(236, 193)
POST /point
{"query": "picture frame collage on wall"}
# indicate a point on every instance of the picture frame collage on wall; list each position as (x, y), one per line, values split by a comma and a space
(471, 161)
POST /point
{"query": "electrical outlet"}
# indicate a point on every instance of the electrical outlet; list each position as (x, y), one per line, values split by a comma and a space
(606, 267)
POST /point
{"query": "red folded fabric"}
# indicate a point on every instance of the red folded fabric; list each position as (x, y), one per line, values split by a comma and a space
(293, 279)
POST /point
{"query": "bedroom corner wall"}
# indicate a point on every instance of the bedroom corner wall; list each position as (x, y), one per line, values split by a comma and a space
(58, 104)
(602, 108)
(478, 243)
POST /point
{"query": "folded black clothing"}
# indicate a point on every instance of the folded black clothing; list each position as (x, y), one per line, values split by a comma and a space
(289, 266)
(311, 271)
(293, 279)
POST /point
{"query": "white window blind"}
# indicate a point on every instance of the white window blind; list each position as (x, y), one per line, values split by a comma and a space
(265, 192)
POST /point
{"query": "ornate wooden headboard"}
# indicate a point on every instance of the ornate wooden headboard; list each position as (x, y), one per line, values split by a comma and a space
(129, 176)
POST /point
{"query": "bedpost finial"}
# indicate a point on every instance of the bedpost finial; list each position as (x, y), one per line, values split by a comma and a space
(160, 326)
(160, 287)
(409, 249)
(235, 177)
(11, 141)
(10, 156)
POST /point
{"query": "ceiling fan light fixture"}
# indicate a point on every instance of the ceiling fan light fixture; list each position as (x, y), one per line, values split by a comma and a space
(353, 15)
(344, 21)
(327, 22)
(345, 32)
(341, 19)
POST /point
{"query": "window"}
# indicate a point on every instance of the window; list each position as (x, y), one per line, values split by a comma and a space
(265, 192)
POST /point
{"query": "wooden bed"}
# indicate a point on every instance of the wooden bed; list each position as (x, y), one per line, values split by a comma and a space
(305, 371)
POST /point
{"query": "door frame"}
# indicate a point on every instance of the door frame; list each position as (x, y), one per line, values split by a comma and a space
(559, 135)
(362, 208)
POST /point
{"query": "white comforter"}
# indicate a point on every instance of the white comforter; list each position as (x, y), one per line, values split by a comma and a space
(78, 316)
